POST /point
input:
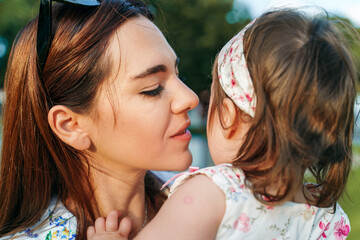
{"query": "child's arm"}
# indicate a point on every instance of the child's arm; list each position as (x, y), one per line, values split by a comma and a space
(194, 211)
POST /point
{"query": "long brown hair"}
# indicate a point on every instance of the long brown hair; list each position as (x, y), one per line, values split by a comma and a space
(35, 163)
(304, 79)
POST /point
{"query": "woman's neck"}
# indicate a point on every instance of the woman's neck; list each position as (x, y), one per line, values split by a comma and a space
(124, 191)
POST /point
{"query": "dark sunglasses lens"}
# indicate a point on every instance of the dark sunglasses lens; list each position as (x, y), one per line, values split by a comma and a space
(44, 25)
(81, 2)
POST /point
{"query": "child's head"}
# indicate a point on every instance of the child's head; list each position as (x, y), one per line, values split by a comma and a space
(300, 102)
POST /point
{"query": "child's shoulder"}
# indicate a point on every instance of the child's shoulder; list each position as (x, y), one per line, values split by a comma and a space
(227, 177)
(226, 169)
(330, 223)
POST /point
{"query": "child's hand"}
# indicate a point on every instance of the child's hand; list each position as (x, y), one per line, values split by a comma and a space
(110, 228)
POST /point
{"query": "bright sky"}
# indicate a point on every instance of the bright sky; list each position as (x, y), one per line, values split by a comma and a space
(346, 8)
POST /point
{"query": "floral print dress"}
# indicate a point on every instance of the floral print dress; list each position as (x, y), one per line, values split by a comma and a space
(247, 218)
(57, 223)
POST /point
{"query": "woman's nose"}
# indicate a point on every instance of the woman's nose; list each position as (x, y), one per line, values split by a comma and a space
(184, 98)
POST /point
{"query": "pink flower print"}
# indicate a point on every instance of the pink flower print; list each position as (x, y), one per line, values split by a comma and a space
(231, 49)
(341, 230)
(248, 97)
(266, 198)
(241, 98)
(243, 223)
(233, 83)
(324, 227)
(232, 189)
(269, 207)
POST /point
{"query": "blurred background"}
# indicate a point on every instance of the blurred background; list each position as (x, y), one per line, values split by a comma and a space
(197, 29)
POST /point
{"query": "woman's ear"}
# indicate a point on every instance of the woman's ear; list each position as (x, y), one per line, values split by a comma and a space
(228, 117)
(67, 126)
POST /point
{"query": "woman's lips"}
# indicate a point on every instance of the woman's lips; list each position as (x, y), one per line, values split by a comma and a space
(184, 135)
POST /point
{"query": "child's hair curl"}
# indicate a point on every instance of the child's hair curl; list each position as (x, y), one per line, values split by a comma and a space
(304, 79)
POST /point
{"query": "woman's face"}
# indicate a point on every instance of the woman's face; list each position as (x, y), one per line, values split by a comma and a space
(143, 107)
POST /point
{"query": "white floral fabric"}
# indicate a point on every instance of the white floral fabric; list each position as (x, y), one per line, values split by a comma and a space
(57, 223)
(247, 218)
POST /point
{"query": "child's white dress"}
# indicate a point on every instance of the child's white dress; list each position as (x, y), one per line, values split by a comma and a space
(247, 218)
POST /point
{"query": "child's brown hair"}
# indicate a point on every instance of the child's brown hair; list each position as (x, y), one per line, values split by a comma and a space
(304, 79)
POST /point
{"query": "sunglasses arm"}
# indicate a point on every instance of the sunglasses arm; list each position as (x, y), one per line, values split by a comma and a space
(44, 31)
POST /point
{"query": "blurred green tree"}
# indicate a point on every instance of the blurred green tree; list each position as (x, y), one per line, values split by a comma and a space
(197, 30)
(14, 14)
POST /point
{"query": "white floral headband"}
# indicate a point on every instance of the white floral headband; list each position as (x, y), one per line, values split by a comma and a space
(234, 75)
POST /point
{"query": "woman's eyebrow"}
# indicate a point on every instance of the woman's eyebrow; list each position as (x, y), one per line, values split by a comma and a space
(155, 69)
(150, 71)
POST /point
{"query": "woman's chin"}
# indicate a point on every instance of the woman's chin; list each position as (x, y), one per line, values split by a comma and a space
(185, 164)
(179, 165)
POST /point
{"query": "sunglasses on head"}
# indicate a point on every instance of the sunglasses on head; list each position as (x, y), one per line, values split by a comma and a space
(43, 41)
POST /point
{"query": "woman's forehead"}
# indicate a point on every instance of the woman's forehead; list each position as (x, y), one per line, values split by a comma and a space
(139, 44)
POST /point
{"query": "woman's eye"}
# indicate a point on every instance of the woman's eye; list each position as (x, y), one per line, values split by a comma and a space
(154, 92)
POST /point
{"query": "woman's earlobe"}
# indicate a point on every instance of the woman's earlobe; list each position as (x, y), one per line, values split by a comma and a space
(83, 142)
(66, 125)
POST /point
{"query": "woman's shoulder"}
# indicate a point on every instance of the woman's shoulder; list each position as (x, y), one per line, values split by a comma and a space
(56, 223)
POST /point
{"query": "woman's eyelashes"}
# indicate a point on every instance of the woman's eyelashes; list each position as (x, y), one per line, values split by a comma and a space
(154, 92)
(157, 91)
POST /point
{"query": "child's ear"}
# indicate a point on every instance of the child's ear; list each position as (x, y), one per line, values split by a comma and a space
(67, 126)
(228, 117)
